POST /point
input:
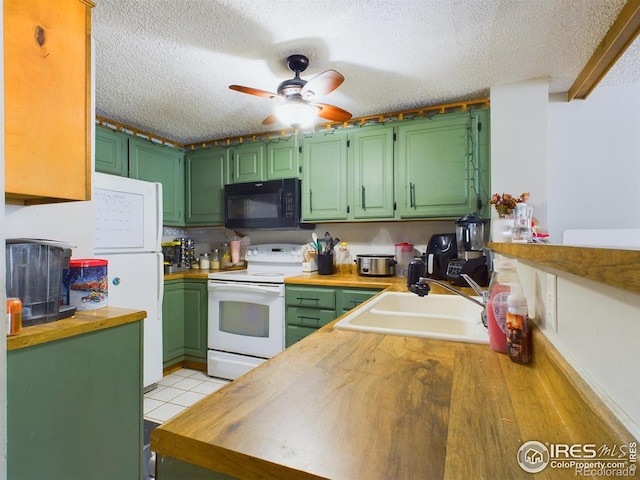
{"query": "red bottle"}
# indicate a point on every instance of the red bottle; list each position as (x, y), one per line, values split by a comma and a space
(504, 274)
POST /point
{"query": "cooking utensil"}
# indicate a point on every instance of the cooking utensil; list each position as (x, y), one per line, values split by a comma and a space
(316, 245)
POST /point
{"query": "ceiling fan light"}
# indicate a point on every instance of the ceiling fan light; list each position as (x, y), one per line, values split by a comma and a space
(296, 114)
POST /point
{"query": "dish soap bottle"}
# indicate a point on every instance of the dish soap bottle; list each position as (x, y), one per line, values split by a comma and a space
(518, 338)
(504, 274)
(344, 259)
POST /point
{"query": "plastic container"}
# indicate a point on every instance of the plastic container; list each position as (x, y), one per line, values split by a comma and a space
(87, 283)
(504, 275)
(518, 339)
(14, 316)
(404, 256)
(344, 262)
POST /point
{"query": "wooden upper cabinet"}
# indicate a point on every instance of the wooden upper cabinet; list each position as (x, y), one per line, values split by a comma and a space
(47, 80)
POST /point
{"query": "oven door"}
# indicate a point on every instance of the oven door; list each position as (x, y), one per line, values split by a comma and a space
(246, 318)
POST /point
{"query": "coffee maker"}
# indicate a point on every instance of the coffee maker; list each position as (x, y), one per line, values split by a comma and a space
(471, 258)
(441, 249)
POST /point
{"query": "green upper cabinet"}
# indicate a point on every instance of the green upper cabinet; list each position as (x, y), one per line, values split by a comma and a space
(283, 158)
(111, 152)
(324, 178)
(437, 174)
(157, 163)
(247, 162)
(371, 173)
(206, 175)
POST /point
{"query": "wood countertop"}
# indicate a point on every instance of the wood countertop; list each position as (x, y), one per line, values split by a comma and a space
(349, 405)
(81, 323)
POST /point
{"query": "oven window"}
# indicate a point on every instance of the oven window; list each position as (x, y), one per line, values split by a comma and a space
(244, 318)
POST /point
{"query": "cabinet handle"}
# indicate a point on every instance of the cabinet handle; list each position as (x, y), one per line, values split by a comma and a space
(307, 299)
(412, 195)
(302, 317)
(310, 201)
(364, 203)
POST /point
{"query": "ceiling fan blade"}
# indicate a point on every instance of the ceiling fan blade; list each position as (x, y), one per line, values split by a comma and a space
(270, 119)
(253, 91)
(332, 113)
(323, 83)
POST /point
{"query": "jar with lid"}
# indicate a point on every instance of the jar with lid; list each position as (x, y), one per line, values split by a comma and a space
(215, 260)
(205, 262)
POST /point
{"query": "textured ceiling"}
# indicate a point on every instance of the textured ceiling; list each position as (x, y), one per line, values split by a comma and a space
(164, 66)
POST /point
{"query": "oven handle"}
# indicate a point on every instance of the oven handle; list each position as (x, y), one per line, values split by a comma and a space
(220, 287)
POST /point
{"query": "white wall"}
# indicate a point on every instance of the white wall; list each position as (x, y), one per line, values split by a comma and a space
(594, 158)
(519, 119)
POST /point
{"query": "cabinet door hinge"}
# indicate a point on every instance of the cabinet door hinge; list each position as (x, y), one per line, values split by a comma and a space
(348, 209)
(395, 206)
(300, 149)
(348, 143)
(395, 136)
(300, 169)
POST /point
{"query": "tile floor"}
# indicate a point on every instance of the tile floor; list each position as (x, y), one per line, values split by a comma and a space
(177, 391)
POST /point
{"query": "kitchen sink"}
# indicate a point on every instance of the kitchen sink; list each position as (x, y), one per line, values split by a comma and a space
(444, 317)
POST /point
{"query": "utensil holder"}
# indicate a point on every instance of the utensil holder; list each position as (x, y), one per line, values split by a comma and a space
(325, 264)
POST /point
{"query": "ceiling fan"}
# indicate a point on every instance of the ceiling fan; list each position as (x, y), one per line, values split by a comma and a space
(297, 107)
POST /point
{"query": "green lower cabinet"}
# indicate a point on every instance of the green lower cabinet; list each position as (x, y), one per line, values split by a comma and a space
(349, 298)
(74, 407)
(308, 308)
(158, 163)
(184, 321)
(173, 323)
(195, 320)
(111, 152)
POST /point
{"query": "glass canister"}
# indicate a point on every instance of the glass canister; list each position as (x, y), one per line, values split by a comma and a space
(205, 261)
(215, 260)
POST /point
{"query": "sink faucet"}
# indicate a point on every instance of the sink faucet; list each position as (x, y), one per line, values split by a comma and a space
(422, 288)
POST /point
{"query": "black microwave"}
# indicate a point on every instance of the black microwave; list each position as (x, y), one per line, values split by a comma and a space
(273, 204)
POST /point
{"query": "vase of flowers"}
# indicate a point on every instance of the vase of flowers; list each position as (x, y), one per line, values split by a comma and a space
(505, 206)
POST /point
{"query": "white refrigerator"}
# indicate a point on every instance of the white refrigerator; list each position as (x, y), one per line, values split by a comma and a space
(128, 234)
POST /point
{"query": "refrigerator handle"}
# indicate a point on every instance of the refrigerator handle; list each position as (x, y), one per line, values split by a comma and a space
(159, 218)
(160, 281)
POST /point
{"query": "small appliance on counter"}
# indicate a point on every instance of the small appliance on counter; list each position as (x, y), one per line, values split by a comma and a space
(471, 258)
(373, 265)
(34, 275)
(442, 248)
(173, 258)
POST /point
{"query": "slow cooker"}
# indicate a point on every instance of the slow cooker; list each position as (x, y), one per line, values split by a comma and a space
(376, 265)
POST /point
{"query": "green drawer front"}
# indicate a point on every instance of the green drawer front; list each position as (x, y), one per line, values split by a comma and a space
(310, 297)
(309, 317)
(348, 299)
(295, 334)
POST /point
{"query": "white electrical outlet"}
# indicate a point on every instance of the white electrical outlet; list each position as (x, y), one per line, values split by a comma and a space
(550, 303)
